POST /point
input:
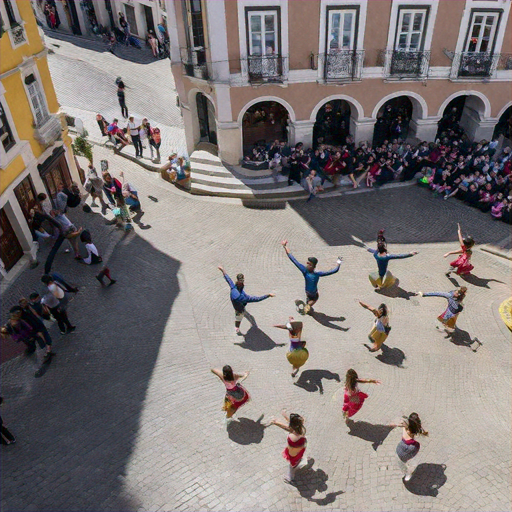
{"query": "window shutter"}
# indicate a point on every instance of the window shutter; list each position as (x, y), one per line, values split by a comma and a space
(38, 103)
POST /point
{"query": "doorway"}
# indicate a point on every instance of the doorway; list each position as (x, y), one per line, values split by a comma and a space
(131, 19)
(393, 120)
(332, 125)
(206, 117)
(10, 247)
(26, 196)
(148, 13)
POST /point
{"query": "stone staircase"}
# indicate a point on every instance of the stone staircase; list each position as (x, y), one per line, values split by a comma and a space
(209, 176)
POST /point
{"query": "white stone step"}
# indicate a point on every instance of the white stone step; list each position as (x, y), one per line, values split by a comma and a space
(209, 190)
(218, 181)
(205, 158)
(293, 192)
(209, 169)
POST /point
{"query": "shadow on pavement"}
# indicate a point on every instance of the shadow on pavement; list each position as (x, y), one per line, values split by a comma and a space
(139, 56)
(103, 370)
(327, 320)
(311, 380)
(403, 212)
(395, 292)
(479, 281)
(311, 481)
(463, 339)
(257, 340)
(246, 431)
(427, 480)
(376, 434)
(391, 356)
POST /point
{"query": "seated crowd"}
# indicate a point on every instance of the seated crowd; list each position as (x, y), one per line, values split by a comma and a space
(474, 172)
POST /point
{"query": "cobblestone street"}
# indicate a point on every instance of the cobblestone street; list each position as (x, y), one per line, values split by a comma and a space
(128, 417)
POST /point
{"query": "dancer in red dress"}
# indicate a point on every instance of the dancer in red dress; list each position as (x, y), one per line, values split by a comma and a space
(236, 394)
(463, 262)
(354, 399)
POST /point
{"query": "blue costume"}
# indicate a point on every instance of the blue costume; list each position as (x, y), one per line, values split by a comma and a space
(384, 278)
(312, 278)
(239, 298)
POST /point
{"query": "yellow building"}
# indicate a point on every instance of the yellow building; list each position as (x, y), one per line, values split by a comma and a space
(35, 149)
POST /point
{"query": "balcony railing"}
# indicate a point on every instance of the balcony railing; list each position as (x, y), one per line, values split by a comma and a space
(504, 62)
(405, 63)
(194, 62)
(341, 65)
(18, 35)
(474, 65)
(265, 68)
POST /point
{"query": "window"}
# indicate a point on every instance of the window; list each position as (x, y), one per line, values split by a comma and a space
(11, 16)
(341, 29)
(263, 33)
(6, 135)
(411, 28)
(26, 196)
(37, 100)
(482, 31)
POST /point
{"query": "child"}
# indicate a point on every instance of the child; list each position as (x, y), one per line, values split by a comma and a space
(94, 258)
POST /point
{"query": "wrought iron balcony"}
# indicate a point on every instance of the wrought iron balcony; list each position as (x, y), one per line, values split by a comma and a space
(265, 68)
(341, 65)
(48, 131)
(405, 63)
(194, 62)
(474, 64)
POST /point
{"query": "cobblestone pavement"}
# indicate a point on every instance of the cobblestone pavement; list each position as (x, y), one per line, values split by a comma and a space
(129, 417)
(84, 73)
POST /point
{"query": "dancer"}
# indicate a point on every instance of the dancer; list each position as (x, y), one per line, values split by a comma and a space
(383, 278)
(381, 327)
(311, 277)
(236, 394)
(239, 298)
(294, 451)
(449, 317)
(298, 353)
(463, 262)
(408, 447)
(354, 399)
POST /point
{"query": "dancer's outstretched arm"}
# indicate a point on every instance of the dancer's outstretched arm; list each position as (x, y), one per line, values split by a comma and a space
(452, 252)
(459, 233)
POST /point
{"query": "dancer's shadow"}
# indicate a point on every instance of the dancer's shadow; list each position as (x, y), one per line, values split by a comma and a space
(255, 339)
(154, 199)
(463, 339)
(391, 356)
(327, 320)
(246, 431)
(427, 480)
(311, 380)
(136, 218)
(310, 481)
(479, 281)
(395, 292)
(376, 434)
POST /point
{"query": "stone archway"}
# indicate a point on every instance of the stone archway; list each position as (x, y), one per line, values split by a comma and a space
(504, 126)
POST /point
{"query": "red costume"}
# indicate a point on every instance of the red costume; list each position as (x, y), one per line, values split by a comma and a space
(462, 263)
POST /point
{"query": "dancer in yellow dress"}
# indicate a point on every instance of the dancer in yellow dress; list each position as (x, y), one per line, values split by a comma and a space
(381, 327)
(298, 353)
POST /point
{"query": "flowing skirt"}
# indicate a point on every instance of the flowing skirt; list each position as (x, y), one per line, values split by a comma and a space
(235, 398)
(382, 282)
(377, 337)
(298, 357)
(295, 459)
(352, 403)
(462, 265)
(448, 319)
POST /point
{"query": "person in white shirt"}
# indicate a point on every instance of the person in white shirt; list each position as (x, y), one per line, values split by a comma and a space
(58, 310)
(134, 134)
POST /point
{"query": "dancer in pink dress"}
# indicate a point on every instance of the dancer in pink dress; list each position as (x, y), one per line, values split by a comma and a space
(354, 399)
(463, 262)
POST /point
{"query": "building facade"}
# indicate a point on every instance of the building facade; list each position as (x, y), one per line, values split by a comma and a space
(250, 71)
(87, 17)
(35, 149)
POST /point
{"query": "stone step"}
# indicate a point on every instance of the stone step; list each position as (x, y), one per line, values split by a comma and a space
(209, 170)
(219, 181)
(205, 158)
(293, 192)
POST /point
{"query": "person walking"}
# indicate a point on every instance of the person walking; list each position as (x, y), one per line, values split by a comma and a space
(21, 331)
(134, 128)
(449, 317)
(297, 354)
(296, 444)
(94, 258)
(381, 327)
(121, 98)
(239, 298)
(7, 437)
(34, 319)
(353, 398)
(462, 265)
(58, 307)
(155, 140)
(383, 278)
(94, 185)
(236, 394)
(408, 447)
(311, 277)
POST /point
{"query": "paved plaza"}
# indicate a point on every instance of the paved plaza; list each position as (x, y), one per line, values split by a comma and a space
(128, 417)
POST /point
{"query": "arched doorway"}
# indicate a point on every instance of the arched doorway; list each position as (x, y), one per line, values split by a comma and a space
(206, 118)
(504, 126)
(451, 116)
(393, 120)
(263, 123)
(463, 114)
(332, 124)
